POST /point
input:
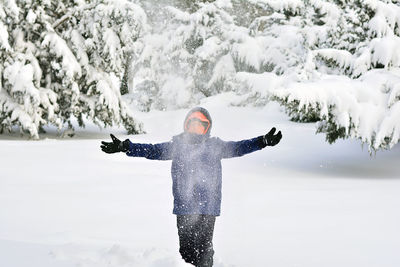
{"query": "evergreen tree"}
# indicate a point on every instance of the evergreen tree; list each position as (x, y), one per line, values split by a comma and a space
(179, 65)
(66, 59)
(359, 38)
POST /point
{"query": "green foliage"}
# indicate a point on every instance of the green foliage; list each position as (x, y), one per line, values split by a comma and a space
(332, 130)
(297, 112)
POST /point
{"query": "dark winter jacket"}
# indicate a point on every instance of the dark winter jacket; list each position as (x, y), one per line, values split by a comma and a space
(196, 168)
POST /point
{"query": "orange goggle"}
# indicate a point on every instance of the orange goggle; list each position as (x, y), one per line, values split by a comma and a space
(201, 127)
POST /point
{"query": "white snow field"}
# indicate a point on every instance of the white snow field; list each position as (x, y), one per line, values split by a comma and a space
(304, 202)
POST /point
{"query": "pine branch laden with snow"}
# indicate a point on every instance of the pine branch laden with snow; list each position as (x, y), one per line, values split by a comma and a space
(366, 108)
(59, 62)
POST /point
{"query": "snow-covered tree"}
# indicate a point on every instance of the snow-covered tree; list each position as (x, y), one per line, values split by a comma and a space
(66, 59)
(182, 63)
(24, 102)
(344, 90)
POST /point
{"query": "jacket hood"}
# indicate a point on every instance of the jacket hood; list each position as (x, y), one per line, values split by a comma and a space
(202, 111)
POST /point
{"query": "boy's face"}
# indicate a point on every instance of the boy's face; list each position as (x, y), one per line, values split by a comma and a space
(196, 127)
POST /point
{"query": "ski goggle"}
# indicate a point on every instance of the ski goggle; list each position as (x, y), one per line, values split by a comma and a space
(197, 123)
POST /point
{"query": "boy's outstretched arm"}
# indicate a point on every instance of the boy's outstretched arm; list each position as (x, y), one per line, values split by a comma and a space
(236, 149)
(160, 151)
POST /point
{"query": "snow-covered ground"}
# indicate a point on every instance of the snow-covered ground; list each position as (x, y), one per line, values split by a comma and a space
(304, 202)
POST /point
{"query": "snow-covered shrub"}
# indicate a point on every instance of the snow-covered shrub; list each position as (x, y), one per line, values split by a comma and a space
(66, 59)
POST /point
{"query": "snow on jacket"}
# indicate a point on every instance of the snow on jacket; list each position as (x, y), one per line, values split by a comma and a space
(196, 168)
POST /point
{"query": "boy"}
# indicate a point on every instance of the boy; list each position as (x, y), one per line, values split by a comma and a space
(197, 177)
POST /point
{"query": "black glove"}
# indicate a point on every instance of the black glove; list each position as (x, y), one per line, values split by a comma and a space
(271, 139)
(115, 146)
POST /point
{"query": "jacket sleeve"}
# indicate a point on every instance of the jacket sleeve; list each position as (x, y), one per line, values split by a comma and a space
(232, 149)
(161, 151)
